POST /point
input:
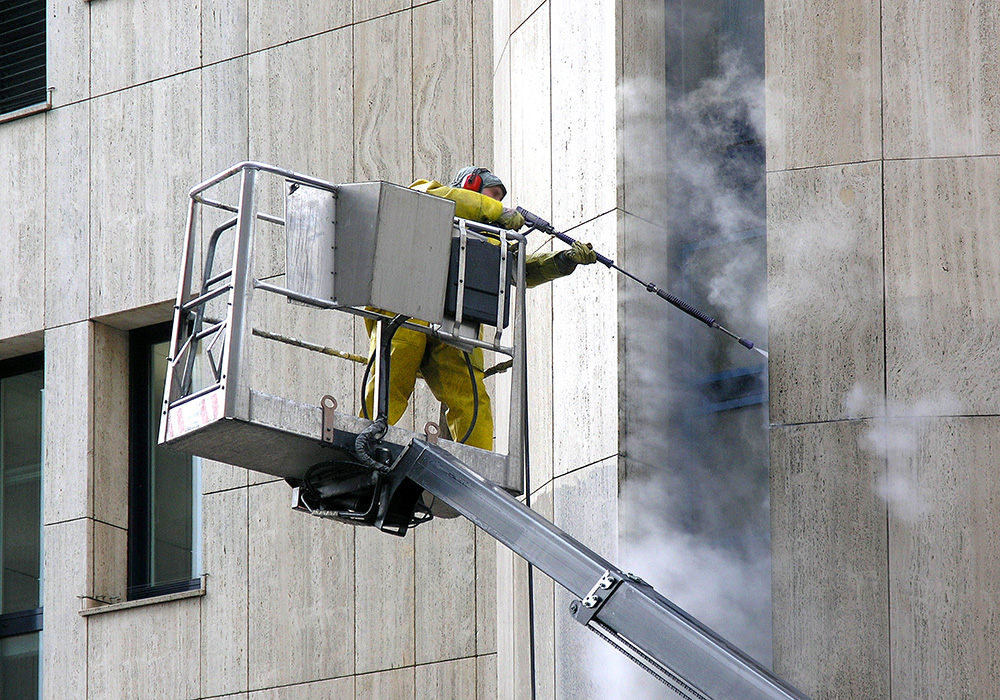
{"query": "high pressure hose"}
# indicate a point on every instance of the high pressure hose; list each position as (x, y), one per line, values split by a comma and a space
(475, 397)
(364, 387)
(365, 443)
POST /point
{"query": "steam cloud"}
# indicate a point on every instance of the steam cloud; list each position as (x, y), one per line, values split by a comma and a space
(695, 521)
(894, 436)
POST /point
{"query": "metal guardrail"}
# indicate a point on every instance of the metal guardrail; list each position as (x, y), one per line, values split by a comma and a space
(208, 350)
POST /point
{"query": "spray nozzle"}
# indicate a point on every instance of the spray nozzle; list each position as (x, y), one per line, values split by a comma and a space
(535, 221)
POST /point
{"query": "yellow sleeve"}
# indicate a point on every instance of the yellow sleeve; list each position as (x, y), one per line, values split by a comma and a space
(468, 204)
(545, 267)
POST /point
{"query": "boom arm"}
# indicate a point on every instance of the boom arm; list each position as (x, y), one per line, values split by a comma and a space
(627, 612)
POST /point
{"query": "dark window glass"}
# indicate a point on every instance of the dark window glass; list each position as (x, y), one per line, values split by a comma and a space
(20, 526)
(22, 54)
(717, 258)
(164, 507)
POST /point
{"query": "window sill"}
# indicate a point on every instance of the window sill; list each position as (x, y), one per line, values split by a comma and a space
(26, 111)
(142, 602)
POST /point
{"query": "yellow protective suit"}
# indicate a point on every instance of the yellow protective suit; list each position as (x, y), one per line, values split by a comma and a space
(443, 366)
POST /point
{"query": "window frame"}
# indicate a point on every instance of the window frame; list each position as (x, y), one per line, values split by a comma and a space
(141, 439)
(34, 99)
(29, 621)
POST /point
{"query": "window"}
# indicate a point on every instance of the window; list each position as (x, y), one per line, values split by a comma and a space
(717, 256)
(20, 526)
(22, 54)
(164, 485)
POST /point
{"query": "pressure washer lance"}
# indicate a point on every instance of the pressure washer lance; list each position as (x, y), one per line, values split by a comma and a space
(537, 223)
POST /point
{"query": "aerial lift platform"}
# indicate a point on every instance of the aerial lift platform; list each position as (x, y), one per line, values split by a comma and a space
(261, 234)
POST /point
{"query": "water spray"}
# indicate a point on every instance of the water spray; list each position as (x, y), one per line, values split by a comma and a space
(539, 224)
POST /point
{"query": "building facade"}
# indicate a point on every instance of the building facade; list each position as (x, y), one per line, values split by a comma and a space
(882, 221)
(128, 573)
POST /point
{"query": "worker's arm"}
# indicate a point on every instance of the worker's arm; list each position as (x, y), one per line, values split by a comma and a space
(539, 268)
(545, 267)
(468, 204)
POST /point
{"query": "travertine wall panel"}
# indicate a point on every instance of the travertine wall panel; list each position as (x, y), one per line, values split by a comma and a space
(486, 593)
(448, 679)
(501, 35)
(68, 39)
(271, 23)
(224, 30)
(225, 607)
(225, 115)
(109, 563)
(67, 214)
(502, 162)
(943, 557)
(513, 630)
(22, 150)
(528, 177)
(520, 10)
(942, 68)
(576, 673)
(515, 624)
(336, 689)
(216, 476)
(482, 80)
(145, 156)
(149, 652)
(384, 630)
(942, 283)
(386, 684)
(367, 9)
(545, 610)
(573, 499)
(538, 316)
(823, 91)
(584, 110)
(444, 91)
(135, 42)
(825, 293)
(69, 445)
(644, 403)
(830, 585)
(383, 99)
(110, 368)
(445, 590)
(642, 150)
(280, 369)
(68, 572)
(22, 345)
(523, 161)
(584, 377)
(284, 127)
(486, 677)
(301, 609)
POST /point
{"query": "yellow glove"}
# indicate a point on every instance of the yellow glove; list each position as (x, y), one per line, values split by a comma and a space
(581, 254)
(511, 220)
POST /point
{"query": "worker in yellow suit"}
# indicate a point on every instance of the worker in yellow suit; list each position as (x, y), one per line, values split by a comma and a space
(477, 194)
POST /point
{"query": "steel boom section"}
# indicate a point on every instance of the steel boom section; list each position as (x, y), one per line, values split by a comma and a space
(629, 608)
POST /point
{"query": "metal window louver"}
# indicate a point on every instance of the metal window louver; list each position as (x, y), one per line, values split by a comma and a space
(22, 54)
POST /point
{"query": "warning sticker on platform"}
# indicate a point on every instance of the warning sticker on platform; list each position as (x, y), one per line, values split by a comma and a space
(195, 414)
